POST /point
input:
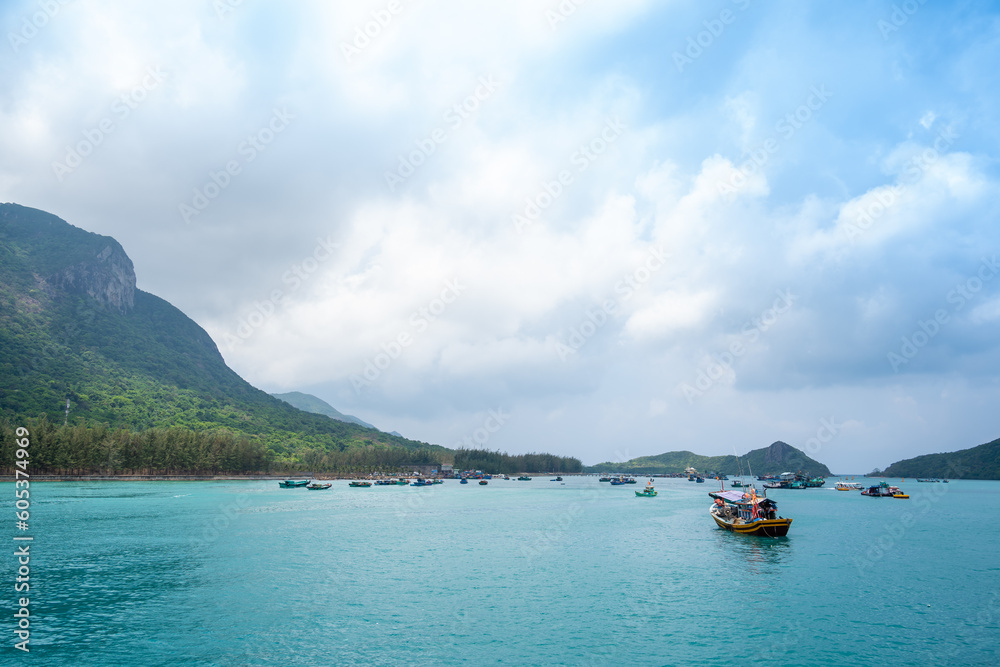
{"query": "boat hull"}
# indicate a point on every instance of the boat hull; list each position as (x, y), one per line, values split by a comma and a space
(764, 528)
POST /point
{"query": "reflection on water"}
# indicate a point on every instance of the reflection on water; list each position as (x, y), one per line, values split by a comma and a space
(755, 555)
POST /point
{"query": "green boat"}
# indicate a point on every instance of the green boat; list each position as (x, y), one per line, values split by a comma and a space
(648, 492)
(524, 478)
(356, 483)
(293, 483)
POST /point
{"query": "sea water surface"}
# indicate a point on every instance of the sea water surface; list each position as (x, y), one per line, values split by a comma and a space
(516, 573)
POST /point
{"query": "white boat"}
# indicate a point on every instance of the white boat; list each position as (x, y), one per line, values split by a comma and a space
(849, 486)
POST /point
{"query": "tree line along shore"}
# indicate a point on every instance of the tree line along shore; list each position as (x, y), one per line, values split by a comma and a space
(88, 450)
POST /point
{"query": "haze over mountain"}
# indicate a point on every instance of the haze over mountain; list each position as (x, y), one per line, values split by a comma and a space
(73, 326)
(310, 403)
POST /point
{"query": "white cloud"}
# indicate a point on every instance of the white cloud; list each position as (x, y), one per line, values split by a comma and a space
(679, 177)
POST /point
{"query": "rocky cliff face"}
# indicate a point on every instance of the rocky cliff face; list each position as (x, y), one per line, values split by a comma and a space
(109, 278)
(62, 257)
(778, 453)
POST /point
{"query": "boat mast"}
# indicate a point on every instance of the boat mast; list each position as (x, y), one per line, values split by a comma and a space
(752, 485)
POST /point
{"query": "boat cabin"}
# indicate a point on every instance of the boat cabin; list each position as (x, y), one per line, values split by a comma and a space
(766, 509)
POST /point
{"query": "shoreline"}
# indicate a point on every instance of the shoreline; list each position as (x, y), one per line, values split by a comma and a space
(224, 477)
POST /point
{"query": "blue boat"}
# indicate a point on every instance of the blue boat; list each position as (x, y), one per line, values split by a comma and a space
(464, 481)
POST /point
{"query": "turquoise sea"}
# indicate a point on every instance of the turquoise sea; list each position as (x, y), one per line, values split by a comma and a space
(515, 573)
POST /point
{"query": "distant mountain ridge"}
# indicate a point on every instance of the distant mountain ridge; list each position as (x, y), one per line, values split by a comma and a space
(777, 458)
(981, 462)
(318, 406)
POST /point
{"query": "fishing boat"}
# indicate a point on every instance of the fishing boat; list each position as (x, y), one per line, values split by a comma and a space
(464, 481)
(557, 479)
(483, 482)
(700, 480)
(736, 484)
(357, 483)
(747, 514)
(604, 479)
(384, 482)
(524, 478)
(849, 486)
(648, 492)
(316, 486)
(880, 490)
(421, 482)
(293, 483)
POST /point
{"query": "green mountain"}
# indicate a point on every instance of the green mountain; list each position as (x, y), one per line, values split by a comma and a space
(318, 406)
(73, 326)
(777, 458)
(982, 462)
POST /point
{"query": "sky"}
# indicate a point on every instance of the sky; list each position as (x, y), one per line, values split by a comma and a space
(597, 229)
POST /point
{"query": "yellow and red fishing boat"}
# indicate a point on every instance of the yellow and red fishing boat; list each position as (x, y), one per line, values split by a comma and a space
(747, 514)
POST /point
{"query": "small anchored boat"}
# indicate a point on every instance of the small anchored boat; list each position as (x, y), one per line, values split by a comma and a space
(747, 514)
(317, 486)
(524, 478)
(849, 486)
(880, 490)
(293, 483)
(483, 482)
(357, 483)
(648, 492)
